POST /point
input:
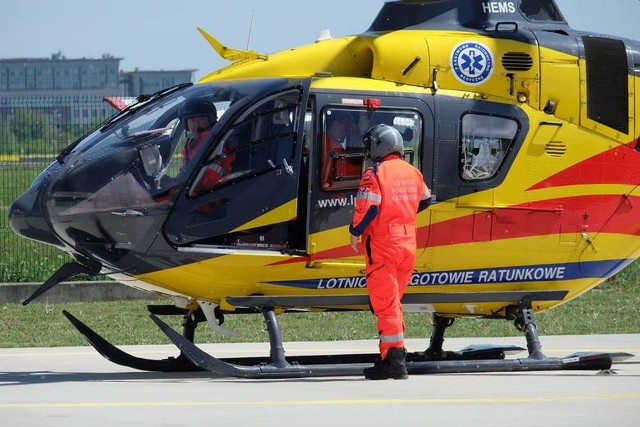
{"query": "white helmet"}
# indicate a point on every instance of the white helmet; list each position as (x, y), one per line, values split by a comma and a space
(382, 140)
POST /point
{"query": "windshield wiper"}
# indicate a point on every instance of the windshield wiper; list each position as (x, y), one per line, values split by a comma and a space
(148, 132)
(141, 101)
(130, 109)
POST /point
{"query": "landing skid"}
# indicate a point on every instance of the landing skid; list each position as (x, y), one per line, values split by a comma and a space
(479, 358)
(279, 367)
(182, 363)
(119, 357)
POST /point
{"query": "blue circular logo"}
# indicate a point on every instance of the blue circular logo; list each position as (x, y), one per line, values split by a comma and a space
(472, 63)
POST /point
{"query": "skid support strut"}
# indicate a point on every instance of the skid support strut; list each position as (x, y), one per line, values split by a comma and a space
(525, 321)
(435, 350)
(275, 339)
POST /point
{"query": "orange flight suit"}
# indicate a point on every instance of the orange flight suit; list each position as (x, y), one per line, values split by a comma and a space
(215, 172)
(192, 146)
(386, 209)
(332, 165)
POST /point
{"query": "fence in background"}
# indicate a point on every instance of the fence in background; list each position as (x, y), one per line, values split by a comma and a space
(33, 130)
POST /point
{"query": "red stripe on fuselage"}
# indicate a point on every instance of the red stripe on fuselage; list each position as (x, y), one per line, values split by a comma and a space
(620, 165)
(565, 215)
(591, 214)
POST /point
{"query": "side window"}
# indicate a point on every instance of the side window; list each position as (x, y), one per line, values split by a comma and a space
(342, 152)
(260, 140)
(540, 10)
(410, 126)
(485, 142)
(342, 159)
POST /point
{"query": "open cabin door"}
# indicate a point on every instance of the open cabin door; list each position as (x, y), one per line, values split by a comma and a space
(256, 202)
(341, 120)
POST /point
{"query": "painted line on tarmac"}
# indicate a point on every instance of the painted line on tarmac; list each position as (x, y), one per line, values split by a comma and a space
(345, 402)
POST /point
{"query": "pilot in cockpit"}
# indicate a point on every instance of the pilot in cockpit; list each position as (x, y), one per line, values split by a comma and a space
(199, 116)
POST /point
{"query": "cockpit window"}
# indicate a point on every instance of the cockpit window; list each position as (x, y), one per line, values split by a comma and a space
(144, 152)
(541, 10)
(485, 142)
(342, 156)
(260, 140)
(143, 125)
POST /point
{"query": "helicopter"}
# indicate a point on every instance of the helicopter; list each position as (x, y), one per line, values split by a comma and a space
(524, 130)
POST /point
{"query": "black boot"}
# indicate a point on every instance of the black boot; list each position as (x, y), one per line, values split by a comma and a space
(391, 366)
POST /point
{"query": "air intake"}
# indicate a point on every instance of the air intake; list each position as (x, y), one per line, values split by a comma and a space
(555, 149)
(517, 61)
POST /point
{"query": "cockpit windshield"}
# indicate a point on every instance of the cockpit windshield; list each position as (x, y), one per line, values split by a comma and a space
(153, 116)
(152, 146)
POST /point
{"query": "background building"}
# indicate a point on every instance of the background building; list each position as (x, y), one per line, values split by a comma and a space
(71, 91)
(138, 82)
(60, 76)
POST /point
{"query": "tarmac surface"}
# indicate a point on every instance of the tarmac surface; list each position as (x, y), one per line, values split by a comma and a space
(77, 387)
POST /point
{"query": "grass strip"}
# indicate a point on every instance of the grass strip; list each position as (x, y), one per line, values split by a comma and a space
(612, 308)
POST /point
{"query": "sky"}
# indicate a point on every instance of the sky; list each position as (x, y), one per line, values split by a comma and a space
(162, 35)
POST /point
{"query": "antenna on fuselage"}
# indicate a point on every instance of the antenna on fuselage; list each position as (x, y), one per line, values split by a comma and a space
(253, 14)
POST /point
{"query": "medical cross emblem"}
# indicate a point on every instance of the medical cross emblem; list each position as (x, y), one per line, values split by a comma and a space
(472, 63)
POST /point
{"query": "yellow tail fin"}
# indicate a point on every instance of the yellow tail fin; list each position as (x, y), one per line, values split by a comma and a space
(230, 53)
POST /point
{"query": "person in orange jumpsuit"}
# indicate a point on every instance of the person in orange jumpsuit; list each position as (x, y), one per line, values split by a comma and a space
(340, 127)
(199, 117)
(337, 127)
(388, 200)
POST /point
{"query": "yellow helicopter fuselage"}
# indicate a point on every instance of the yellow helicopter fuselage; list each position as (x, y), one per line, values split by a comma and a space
(562, 219)
(524, 129)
